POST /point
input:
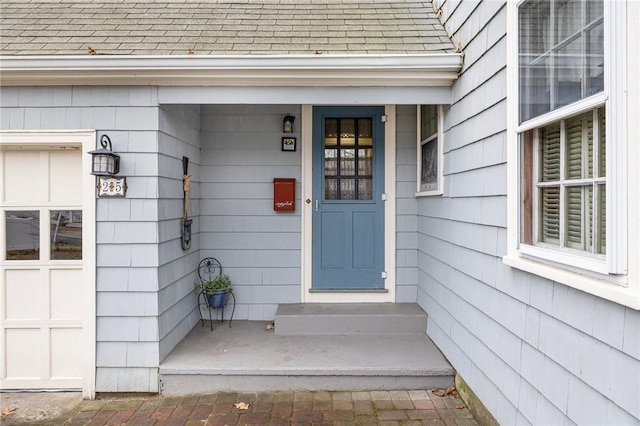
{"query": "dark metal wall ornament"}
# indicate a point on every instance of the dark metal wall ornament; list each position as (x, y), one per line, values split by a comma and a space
(105, 164)
(186, 222)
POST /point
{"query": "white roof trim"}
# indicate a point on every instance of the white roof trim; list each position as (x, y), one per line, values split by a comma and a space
(232, 70)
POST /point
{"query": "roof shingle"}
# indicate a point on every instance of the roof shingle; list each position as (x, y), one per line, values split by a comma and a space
(220, 27)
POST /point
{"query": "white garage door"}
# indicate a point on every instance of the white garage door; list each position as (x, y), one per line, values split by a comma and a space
(43, 306)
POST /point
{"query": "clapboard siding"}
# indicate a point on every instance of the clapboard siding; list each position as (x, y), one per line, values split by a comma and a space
(259, 249)
(179, 136)
(534, 351)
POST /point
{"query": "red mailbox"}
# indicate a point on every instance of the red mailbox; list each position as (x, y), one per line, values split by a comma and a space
(284, 194)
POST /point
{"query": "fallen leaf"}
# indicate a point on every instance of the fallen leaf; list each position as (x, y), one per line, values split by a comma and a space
(451, 391)
(241, 405)
(438, 392)
(7, 411)
(459, 407)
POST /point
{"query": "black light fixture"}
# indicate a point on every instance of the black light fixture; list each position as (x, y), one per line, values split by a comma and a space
(105, 162)
(287, 123)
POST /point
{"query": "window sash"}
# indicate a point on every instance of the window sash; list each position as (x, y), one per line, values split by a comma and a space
(429, 120)
(558, 68)
(576, 230)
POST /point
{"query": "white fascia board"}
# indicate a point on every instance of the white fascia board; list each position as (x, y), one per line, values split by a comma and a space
(268, 70)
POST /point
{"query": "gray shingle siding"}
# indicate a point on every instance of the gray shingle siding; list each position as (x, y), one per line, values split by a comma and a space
(127, 228)
(179, 136)
(38, 27)
(258, 248)
(534, 351)
(406, 218)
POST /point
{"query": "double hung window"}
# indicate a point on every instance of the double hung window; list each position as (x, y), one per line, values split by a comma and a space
(565, 146)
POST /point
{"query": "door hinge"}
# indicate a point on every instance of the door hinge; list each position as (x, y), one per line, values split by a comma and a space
(383, 118)
(384, 275)
(383, 197)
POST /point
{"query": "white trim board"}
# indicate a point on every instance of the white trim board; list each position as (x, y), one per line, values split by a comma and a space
(328, 95)
(410, 70)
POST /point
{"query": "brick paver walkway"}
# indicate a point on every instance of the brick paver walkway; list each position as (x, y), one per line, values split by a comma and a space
(419, 407)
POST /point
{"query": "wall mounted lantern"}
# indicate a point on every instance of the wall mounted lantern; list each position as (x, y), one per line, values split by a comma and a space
(105, 162)
(287, 123)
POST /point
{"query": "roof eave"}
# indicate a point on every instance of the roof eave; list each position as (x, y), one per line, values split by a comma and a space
(268, 70)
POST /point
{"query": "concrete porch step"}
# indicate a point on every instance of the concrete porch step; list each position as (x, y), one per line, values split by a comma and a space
(350, 318)
(249, 358)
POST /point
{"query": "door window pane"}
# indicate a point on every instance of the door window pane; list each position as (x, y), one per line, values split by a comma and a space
(365, 132)
(365, 162)
(347, 189)
(348, 158)
(66, 234)
(331, 162)
(22, 230)
(331, 132)
(347, 132)
(347, 162)
(330, 189)
(365, 189)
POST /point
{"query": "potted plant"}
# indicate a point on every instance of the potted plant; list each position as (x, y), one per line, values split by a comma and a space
(216, 291)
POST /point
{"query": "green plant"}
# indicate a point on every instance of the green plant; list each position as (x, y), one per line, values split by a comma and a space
(223, 282)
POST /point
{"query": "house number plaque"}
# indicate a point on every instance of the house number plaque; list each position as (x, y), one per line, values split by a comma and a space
(111, 186)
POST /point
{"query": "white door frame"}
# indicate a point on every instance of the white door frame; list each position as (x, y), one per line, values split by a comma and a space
(389, 217)
(86, 141)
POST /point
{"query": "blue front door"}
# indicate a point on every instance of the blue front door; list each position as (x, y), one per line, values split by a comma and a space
(348, 186)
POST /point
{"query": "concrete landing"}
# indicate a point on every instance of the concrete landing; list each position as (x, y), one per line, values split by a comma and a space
(248, 357)
(350, 318)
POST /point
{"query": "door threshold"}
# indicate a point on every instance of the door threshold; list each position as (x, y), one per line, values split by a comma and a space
(355, 290)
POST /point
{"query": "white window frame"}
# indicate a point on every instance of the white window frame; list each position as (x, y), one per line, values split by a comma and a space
(609, 276)
(438, 190)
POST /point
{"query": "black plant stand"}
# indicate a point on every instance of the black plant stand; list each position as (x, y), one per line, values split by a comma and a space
(209, 269)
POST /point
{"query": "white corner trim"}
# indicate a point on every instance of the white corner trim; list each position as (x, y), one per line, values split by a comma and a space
(86, 140)
(439, 69)
(512, 124)
(390, 204)
(306, 150)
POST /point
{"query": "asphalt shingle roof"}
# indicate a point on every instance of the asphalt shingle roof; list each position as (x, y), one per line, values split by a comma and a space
(220, 27)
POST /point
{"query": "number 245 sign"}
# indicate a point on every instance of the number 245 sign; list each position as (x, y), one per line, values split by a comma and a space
(112, 187)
